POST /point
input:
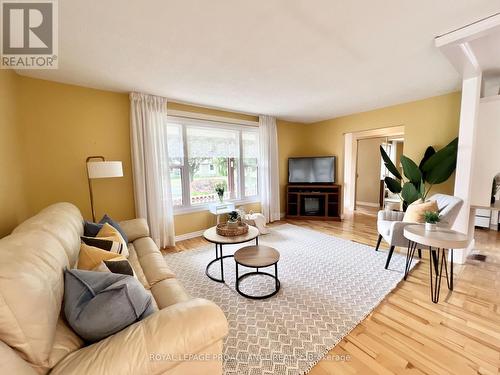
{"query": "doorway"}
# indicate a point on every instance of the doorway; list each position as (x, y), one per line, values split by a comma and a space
(364, 171)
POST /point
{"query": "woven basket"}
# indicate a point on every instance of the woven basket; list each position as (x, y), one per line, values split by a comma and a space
(223, 230)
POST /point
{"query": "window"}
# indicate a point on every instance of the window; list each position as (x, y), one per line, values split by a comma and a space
(204, 154)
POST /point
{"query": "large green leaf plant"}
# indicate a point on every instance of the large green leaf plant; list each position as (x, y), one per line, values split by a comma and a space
(434, 168)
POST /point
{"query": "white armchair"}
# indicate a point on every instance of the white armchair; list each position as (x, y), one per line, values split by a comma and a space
(390, 224)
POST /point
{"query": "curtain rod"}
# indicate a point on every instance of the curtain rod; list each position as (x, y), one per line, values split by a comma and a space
(213, 118)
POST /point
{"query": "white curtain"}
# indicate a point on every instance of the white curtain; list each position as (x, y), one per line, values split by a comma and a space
(268, 168)
(152, 191)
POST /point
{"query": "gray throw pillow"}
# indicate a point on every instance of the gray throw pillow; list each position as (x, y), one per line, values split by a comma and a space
(91, 229)
(99, 304)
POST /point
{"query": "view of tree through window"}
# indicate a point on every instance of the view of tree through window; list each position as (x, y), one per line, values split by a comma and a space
(201, 157)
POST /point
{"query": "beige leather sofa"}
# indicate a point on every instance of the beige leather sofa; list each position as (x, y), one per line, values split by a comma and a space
(183, 337)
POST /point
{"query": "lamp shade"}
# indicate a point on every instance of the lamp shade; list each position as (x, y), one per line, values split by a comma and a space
(104, 169)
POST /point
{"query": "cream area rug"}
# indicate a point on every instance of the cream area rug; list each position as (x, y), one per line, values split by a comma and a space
(328, 286)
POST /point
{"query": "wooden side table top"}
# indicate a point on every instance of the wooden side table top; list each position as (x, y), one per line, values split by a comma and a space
(211, 235)
(256, 256)
(441, 237)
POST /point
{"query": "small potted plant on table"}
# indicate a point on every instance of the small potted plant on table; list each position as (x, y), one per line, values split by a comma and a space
(431, 219)
(219, 189)
(232, 221)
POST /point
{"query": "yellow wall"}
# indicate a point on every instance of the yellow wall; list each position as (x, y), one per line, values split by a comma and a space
(43, 145)
(291, 142)
(429, 122)
(12, 204)
(63, 124)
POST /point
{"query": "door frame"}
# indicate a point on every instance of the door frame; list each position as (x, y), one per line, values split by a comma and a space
(351, 159)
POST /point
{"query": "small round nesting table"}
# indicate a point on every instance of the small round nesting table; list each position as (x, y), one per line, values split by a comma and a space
(211, 236)
(257, 257)
(437, 241)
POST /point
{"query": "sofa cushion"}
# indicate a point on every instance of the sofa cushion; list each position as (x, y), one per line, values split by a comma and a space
(114, 224)
(62, 221)
(31, 292)
(97, 304)
(169, 292)
(135, 228)
(136, 265)
(152, 262)
(66, 341)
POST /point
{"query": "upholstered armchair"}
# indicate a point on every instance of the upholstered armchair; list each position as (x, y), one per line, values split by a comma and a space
(390, 224)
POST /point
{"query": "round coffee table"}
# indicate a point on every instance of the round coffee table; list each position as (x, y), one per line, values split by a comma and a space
(211, 236)
(257, 257)
(438, 241)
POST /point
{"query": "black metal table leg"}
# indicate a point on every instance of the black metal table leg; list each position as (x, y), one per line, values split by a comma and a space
(449, 277)
(218, 258)
(276, 274)
(450, 285)
(436, 260)
(436, 264)
(277, 282)
(409, 257)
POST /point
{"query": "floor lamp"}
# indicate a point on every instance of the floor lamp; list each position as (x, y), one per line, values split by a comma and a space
(98, 167)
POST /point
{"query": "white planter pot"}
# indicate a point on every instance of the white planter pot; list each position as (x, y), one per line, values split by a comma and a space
(430, 227)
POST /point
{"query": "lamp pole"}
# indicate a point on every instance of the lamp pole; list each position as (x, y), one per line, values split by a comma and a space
(90, 182)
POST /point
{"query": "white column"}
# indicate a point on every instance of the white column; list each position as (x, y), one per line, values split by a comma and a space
(471, 91)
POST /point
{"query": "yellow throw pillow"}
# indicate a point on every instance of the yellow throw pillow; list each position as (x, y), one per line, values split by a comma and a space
(109, 232)
(415, 211)
(91, 256)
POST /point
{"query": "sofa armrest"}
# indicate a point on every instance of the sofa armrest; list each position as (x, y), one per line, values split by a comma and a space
(135, 228)
(154, 345)
(12, 363)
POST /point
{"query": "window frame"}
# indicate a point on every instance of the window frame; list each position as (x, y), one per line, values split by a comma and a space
(184, 123)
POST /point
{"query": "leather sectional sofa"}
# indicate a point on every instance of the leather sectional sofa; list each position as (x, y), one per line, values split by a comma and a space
(184, 336)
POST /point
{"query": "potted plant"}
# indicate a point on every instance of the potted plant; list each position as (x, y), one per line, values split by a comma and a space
(431, 219)
(219, 189)
(232, 221)
(417, 180)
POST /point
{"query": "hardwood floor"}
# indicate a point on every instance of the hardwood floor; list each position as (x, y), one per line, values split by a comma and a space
(407, 333)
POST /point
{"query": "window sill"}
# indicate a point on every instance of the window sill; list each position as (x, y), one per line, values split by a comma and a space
(204, 207)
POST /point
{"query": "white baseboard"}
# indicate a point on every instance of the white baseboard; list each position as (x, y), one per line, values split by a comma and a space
(369, 204)
(188, 236)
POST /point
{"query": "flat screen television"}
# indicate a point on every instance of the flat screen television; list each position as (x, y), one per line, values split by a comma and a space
(312, 170)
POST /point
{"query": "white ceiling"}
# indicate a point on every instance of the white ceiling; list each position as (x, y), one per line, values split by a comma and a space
(301, 60)
(487, 52)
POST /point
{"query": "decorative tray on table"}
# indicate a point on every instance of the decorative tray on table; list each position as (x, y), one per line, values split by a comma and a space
(230, 231)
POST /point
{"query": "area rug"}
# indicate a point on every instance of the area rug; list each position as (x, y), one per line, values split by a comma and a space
(328, 286)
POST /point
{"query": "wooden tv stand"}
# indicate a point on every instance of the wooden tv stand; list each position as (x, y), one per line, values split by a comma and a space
(313, 202)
